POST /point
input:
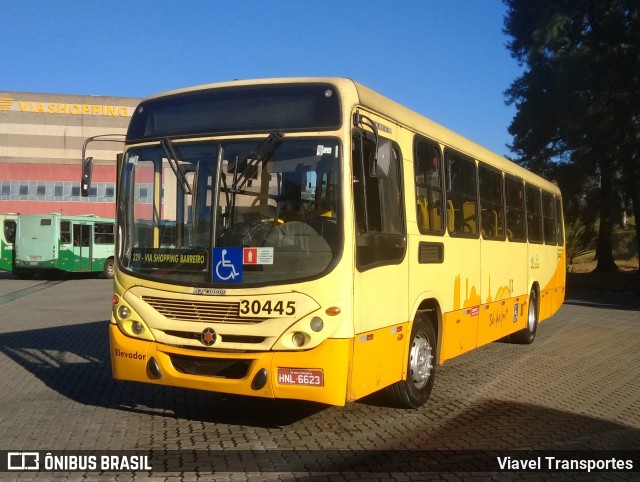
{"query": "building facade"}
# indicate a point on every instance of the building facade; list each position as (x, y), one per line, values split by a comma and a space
(41, 138)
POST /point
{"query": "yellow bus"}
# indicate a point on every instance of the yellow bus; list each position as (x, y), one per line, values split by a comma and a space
(309, 238)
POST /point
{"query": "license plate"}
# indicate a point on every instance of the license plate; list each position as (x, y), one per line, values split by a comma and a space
(301, 376)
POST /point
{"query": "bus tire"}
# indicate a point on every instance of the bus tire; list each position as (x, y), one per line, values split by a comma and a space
(528, 334)
(107, 270)
(414, 390)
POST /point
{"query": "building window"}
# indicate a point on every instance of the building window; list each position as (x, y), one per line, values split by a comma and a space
(24, 190)
(57, 191)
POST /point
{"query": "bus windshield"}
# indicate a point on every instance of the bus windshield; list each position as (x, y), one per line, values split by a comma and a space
(210, 213)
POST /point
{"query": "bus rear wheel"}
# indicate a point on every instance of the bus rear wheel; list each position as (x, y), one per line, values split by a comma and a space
(107, 270)
(528, 333)
(415, 389)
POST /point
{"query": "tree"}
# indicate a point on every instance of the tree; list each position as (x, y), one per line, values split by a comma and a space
(578, 100)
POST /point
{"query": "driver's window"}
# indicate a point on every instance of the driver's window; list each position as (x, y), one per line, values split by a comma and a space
(379, 207)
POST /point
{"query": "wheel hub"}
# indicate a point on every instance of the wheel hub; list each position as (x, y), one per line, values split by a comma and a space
(420, 361)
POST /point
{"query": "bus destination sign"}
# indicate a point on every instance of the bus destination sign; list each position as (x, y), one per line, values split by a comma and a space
(173, 259)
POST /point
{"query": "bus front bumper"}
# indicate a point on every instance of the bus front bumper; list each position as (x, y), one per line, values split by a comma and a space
(318, 375)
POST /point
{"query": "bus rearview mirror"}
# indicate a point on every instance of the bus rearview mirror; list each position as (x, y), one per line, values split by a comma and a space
(381, 164)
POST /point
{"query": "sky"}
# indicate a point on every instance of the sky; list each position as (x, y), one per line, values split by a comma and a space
(446, 59)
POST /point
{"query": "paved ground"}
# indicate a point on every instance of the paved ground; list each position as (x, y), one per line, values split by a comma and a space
(576, 388)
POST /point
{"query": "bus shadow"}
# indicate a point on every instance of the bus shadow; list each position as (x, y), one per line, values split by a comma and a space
(493, 424)
(74, 361)
(602, 299)
(473, 439)
(49, 275)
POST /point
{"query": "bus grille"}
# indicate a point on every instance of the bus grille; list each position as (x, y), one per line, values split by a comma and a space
(203, 311)
(188, 335)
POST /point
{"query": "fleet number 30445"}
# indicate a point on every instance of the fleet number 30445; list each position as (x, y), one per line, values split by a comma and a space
(267, 308)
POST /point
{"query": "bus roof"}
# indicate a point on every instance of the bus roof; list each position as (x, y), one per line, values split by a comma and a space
(353, 93)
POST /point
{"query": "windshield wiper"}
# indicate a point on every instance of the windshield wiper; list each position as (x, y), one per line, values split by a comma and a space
(174, 162)
(266, 149)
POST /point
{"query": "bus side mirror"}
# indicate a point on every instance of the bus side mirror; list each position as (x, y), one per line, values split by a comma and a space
(85, 182)
(382, 164)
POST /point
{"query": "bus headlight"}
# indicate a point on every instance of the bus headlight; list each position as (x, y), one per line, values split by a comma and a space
(137, 327)
(124, 312)
(316, 324)
(299, 339)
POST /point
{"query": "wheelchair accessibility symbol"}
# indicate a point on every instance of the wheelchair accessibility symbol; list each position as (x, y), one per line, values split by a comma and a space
(227, 265)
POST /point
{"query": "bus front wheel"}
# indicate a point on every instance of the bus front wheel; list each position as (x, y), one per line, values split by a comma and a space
(107, 270)
(414, 390)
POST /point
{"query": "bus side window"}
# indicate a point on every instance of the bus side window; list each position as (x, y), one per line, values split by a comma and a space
(559, 232)
(534, 214)
(428, 177)
(65, 232)
(491, 204)
(462, 195)
(549, 218)
(516, 222)
(103, 233)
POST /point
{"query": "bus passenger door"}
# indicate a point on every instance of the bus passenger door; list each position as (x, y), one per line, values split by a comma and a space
(82, 247)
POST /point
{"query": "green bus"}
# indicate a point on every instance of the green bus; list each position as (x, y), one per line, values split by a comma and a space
(7, 238)
(72, 244)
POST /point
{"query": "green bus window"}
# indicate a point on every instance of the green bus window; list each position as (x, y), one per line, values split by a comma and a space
(103, 233)
(65, 232)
